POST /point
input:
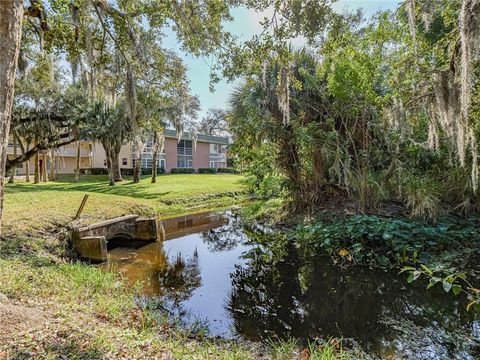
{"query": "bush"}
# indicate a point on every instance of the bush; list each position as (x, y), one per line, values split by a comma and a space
(269, 187)
(126, 171)
(207, 170)
(422, 198)
(182, 171)
(98, 171)
(148, 171)
(227, 171)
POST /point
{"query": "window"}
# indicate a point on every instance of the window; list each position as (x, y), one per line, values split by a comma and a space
(219, 148)
(217, 164)
(124, 161)
(184, 154)
(105, 162)
(147, 161)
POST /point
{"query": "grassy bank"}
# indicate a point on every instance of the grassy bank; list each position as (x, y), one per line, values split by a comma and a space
(53, 306)
(34, 207)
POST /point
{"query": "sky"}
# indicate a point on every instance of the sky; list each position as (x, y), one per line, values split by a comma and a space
(246, 23)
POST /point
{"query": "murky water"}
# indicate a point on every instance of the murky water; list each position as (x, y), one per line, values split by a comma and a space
(246, 282)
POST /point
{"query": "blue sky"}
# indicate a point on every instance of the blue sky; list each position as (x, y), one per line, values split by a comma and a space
(246, 24)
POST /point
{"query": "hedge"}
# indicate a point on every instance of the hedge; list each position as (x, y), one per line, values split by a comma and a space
(207, 170)
(182, 171)
(227, 171)
(98, 171)
(148, 171)
(125, 171)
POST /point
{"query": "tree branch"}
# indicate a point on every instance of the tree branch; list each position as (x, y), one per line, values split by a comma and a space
(11, 163)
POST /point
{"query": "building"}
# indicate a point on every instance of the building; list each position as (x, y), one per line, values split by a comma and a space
(65, 158)
(206, 152)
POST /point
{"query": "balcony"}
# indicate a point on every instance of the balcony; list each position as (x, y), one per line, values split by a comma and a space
(215, 156)
(73, 153)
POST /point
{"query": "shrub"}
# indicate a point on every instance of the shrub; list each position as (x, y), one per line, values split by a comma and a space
(226, 171)
(422, 198)
(148, 171)
(268, 187)
(98, 171)
(182, 171)
(207, 170)
(126, 171)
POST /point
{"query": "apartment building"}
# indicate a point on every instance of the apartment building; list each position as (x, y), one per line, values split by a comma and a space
(207, 152)
(65, 158)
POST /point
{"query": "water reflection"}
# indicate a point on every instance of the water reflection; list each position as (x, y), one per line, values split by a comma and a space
(192, 224)
(251, 283)
(308, 297)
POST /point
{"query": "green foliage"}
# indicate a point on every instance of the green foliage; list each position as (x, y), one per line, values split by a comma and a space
(383, 241)
(207, 170)
(268, 187)
(182, 171)
(422, 198)
(270, 209)
(146, 171)
(456, 282)
(98, 171)
(227, 171)
(124, 171)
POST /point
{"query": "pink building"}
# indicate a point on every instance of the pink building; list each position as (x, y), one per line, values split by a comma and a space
(206, 152)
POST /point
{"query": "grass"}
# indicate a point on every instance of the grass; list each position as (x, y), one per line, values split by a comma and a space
(90, 313)
(34, 207)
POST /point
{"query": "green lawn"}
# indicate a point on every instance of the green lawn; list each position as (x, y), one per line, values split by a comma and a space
(33, 207)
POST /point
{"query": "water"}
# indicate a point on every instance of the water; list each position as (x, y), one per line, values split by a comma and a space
(249, 283)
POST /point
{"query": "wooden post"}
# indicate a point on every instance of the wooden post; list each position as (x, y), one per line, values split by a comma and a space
(82, 205)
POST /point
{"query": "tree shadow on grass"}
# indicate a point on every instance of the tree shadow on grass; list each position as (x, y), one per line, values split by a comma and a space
(122, 189)
(99, 184)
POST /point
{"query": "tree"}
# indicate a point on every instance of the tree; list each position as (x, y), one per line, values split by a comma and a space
(110, 125)
(77, 162)
(11, 13)
(214, 123)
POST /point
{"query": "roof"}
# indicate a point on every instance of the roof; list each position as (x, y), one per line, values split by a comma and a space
(200, 137)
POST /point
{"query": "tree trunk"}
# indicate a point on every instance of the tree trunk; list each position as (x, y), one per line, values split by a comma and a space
(111, 177)
(57, 165)
(138, 156)
(36, 176)
(44, 166)
(137, 169)
(77, 168)
(289, 162)
(154, 157)
(117, 175)
(14, 170)
(51, 176)
(27, 167)
(11, 13)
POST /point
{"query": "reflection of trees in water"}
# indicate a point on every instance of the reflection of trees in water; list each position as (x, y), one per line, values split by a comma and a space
(180, 277)
(226, 237)
(286, 292)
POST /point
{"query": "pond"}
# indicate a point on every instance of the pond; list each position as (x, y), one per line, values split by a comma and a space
(242, 281)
